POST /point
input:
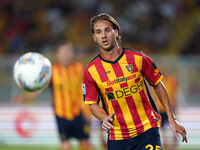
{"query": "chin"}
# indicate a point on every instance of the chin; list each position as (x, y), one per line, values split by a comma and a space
(107, 48)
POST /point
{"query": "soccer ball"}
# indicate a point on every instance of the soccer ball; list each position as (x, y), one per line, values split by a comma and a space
(32, 71)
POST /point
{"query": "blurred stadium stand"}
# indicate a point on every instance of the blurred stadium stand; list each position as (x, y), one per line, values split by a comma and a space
(168, 31)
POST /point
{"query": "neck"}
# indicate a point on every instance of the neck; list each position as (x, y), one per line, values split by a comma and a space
(112, 54)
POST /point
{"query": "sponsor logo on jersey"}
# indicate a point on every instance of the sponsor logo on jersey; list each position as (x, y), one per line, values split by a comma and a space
(120, 80)
(124, 92)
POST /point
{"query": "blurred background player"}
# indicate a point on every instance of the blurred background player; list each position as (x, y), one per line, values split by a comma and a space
(67, 94)
(72, 116)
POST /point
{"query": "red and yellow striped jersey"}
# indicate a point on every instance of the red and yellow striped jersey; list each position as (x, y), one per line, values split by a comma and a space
(122, 88)
(67, 90)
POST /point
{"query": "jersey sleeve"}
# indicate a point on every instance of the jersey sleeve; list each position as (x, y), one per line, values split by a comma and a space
(150, 71)
(90, 89)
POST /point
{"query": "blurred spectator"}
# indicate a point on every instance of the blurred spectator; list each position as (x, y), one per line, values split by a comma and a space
(35, 25)
(193, 46)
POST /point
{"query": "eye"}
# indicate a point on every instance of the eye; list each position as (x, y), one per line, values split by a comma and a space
(98, 32)
(108, 30)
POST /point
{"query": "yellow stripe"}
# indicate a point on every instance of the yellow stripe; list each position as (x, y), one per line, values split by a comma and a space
(158, 80)
(138, 62)
(65, 80)
(57, 96)
(86, 102)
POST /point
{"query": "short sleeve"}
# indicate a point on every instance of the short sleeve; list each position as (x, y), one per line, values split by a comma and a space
(90, 89)
(150, 71)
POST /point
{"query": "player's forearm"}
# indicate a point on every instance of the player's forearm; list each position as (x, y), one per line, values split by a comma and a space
(164, 99)
(98, 111)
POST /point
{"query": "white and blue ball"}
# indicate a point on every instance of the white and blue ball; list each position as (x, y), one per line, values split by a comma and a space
(32, 71)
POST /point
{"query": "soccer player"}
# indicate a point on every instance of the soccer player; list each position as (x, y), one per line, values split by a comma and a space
(118, 76)
(66, 88)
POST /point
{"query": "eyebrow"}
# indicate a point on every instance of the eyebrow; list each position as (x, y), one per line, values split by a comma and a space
(104, 28)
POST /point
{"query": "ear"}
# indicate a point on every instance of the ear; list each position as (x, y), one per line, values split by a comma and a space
(116, 32)
(94, 37)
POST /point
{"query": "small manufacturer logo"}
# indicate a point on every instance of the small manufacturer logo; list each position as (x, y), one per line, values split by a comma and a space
(156, 72)
(130, 68)
(107, 72)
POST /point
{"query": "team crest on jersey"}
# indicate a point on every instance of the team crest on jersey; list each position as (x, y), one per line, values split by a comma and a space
(130, 68)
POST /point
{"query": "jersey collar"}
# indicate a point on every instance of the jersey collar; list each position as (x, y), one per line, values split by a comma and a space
(114, 61)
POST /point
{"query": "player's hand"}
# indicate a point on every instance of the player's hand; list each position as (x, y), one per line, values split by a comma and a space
(107, 122)
(178, 128)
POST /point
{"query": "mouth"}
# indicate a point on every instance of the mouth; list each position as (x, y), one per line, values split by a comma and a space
(105, 42)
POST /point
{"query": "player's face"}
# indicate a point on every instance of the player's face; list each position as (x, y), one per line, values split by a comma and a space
(104, 35)
(64, 54)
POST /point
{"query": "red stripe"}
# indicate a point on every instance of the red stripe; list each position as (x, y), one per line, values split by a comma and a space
(137, 80)
(117, 69)
(101, 71)
(123, 85)
(112, 135)
(110, 89)
(71, 103)
(135, 115)
(130, 59)
(63, 104)
(148, 109)
(53, 90)
(121, 120)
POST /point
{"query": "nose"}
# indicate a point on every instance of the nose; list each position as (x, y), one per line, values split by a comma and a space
(103, 34)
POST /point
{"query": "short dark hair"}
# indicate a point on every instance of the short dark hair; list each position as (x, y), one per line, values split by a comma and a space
(104, 16)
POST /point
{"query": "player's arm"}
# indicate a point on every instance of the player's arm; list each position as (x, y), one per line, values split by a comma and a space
(164, 99)
(100, 114)
(90, 92)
